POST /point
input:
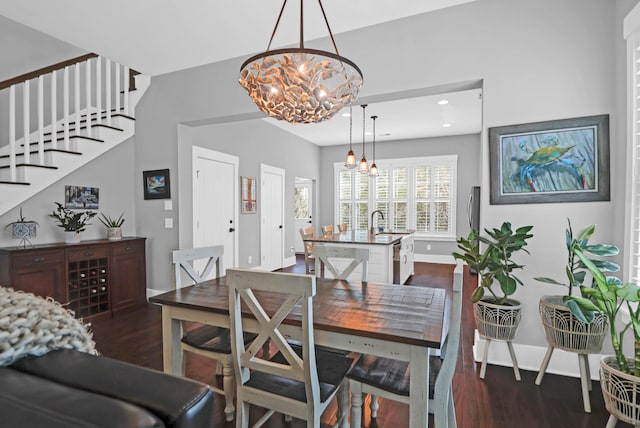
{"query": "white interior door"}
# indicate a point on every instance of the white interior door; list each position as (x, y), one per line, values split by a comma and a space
(215, 202)
(303, 209)
(272, 217)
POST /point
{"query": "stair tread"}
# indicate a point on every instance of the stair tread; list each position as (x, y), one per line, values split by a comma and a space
(84, 137)
(102, 125)
(33, 165)
(22, 183)
(35, 152)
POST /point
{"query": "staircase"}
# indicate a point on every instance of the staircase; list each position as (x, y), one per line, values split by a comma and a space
(90, 103)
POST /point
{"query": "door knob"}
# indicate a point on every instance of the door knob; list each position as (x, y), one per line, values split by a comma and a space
(309, 222)
(231, 229)
(280, 227)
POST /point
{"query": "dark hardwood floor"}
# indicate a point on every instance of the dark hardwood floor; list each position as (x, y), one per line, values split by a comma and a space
(499, 401)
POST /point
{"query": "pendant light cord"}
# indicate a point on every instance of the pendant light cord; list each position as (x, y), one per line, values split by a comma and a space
(364, 106)
(278, 23)
(350, 127)
(328, 27)
(374, 137)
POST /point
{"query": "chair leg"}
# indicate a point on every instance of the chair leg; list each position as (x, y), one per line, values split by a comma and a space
(483, 367)
(612, 422)
(451, 408)
(227, 385)
(588, 369)
(184, 363)
(343, 405)
(516, 371)
(356, 404)
(584, 381)
(374, 406)
(545, 364)
(242, 419)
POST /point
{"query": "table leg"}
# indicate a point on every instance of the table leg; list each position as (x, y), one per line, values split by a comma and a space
(419, 387)
(171, 353)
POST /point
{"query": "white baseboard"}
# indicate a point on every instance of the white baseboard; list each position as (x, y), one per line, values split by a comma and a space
(434, 258)
(289, 261)
(530, 358)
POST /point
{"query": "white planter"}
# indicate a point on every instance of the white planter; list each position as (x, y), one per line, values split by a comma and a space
(71, 237)
(565, 331)
(621, 391)
(499, 322)
(114, 233)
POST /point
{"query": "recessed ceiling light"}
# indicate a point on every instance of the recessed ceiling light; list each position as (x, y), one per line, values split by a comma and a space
(446, 125)
(443, 102)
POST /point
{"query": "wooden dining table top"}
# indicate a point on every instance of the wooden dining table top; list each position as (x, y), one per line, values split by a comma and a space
(411, 315)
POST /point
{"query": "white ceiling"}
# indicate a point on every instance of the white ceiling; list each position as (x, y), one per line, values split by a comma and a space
(403, 119)
(161, 36)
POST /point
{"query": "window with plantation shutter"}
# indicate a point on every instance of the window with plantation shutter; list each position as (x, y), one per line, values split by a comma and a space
(416, 193)
(632, 235)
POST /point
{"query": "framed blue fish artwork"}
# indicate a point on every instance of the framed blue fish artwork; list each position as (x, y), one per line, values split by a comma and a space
(563, 160)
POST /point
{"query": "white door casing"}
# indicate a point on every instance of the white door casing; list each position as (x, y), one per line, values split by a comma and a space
(216, 202)
(271, 217)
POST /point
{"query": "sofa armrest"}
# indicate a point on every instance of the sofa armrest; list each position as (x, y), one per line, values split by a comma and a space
(177, 401)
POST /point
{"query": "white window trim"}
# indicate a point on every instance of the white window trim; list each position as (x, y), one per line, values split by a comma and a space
(409, 163)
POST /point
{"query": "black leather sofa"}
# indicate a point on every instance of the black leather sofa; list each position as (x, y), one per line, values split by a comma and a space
(66, 388)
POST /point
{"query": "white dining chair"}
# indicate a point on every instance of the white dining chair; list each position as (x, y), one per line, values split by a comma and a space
(334, 257)
(388, 378)
(297, 381)
(206, 340)
(308, 249)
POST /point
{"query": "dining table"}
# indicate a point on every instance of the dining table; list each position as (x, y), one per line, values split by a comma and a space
(388, 320)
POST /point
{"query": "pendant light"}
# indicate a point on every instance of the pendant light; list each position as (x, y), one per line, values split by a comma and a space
(363, 167)
(351, 157)
(301, 85)
(373, 171)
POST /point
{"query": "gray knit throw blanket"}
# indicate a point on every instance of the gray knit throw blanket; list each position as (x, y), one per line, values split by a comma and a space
(31, 325)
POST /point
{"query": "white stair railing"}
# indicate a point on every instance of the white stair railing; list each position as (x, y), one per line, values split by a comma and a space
(97, 76)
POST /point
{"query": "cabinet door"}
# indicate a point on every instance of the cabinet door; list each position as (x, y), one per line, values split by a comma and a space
(40, 273)
(128, 274)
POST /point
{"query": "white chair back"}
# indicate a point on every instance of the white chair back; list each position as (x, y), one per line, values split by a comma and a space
(330, 256)
(184, 261)
(245, 287)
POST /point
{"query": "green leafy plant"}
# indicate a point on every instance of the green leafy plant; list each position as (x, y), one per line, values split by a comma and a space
(575, 269)
(21, 219)
(608, 295)
(495, 263)
(70, 220)
(110, 222)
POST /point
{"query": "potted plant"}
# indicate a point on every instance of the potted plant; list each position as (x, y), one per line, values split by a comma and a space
(497, 316)
(114, 226)
(563, 329)
(23, 229)
(619, 374)
(73, 222)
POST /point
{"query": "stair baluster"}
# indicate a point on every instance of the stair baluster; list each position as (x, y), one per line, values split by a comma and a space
(40, 122)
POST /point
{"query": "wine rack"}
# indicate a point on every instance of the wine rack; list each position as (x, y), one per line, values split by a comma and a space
(89, 286)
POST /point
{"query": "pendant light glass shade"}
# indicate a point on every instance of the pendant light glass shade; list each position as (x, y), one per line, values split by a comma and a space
(364, 166)
(351, 157)
(373, 171)
(301, 85)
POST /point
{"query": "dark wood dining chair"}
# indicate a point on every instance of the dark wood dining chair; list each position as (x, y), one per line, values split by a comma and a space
(389, 378)
(206, 340)
(299, 380)
(327, 230)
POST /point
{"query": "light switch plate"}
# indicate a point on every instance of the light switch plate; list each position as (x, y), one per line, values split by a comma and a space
(168, 205)
(168, 223)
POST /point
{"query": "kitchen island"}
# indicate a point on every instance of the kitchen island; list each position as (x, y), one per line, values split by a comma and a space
(390, 253)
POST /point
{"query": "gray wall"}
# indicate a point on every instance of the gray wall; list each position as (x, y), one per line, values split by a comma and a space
(467, 147)
(112, 173)
(247, 140)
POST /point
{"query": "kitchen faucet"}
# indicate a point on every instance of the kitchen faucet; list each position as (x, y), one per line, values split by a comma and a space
(373, 229)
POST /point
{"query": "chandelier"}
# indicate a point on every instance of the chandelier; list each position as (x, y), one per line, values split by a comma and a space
(300, 85)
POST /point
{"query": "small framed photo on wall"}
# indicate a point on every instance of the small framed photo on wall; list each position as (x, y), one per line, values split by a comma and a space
(156, 184)
(249, 192)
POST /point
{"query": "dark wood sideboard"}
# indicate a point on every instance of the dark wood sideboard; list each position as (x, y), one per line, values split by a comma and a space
(97, 278)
